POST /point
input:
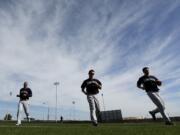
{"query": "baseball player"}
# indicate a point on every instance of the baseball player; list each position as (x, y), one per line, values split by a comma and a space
(90, 87)
(24, 95)
(150, 84)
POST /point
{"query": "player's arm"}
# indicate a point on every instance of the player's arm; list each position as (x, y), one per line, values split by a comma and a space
(158, 82)
(139, 84)
(18, 95)
(30, 93)
(100, 87)
(99, 84)
(83, 88)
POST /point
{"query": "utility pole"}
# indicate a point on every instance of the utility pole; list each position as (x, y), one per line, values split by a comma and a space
(56, 85)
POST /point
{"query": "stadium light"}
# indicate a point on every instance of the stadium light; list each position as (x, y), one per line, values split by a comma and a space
(10, 93)
(56, 84)
(103, 102)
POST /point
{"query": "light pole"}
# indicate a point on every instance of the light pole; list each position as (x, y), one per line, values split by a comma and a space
(48, 113)
(43, 111)
(8, 108)
(74, 115)
(10, 94)
(56, 84)
(103, 102)
(46, 103)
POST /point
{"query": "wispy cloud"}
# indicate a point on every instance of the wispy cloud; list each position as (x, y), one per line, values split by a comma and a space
(43, 42)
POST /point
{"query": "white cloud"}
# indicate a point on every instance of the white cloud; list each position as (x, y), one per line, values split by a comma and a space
(46, 42)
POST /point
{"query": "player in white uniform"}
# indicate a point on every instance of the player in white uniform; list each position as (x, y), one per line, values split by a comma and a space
(24, 95)
(150, 84)
(92, 87)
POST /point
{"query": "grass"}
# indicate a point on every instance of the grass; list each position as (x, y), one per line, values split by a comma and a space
(88, 129)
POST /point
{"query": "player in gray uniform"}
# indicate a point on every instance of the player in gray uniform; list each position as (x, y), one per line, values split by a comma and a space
(24, 95)
(92, 87)
(150, 84)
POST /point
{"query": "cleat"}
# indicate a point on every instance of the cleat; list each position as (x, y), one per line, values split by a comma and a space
(169, 123)
(153, 115)
(29, 119)
(95, 124)
(18, 124)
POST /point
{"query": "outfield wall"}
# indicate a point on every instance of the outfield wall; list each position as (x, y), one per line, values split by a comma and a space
(111, 116)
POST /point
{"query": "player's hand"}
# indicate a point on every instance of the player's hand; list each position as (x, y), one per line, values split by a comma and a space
(85, 93)
(159, 83)
(99, 86)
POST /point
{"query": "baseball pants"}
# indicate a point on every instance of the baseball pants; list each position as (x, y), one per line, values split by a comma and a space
(94, 107)
(22, 105)
(157, 100)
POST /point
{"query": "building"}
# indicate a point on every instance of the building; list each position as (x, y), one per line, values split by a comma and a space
(111, 116)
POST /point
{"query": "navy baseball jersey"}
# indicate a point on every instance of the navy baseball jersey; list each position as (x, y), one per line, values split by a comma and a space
(149, 83)
(91, 86)
(25, 93)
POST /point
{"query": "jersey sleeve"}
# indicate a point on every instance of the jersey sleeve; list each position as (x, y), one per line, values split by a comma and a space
(83, 85)
(158, 82)
(139, 82)
(20, 92)
(156, 79)
(30, 93)
(99, 82)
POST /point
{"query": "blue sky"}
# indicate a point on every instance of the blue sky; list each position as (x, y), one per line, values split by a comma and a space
(60, 40)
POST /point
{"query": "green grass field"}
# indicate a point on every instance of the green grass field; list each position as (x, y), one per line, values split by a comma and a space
(87, 129)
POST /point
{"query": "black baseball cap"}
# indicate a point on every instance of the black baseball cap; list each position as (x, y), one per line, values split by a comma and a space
(145, 68)
(91, 71)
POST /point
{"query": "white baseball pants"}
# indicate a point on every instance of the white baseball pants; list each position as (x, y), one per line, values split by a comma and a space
(94, 107)
(157, 100)
(22, 105)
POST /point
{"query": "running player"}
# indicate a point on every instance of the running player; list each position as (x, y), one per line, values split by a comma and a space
(150, 84)
(92, 87)
(24, 95)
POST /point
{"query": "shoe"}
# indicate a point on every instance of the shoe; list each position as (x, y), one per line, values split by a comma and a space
(18, 124)
(169, 123)
(29, 119)
(99, 117)
(95, 124)
(153, 115)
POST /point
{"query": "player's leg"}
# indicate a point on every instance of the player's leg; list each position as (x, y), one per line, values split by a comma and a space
(153, 113)
(26, 109)
(92, 109)
(163, 112)
(154, 96)
(97, 106)
(19, 113)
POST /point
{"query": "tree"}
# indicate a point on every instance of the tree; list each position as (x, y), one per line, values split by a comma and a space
(8, 117)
